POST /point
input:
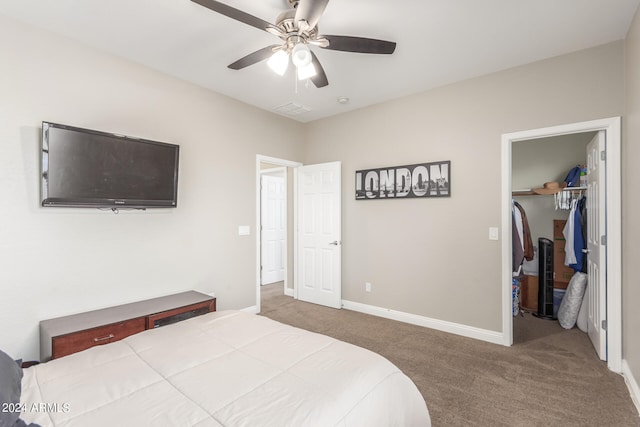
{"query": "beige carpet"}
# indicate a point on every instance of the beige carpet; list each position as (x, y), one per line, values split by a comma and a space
(550, 377)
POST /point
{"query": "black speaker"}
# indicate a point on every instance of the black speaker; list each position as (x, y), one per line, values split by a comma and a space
(545, 278)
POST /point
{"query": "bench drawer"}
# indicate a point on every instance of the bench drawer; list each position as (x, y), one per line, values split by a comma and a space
(82, 340)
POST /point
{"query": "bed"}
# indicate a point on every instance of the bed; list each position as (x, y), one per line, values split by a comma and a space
(225, 368)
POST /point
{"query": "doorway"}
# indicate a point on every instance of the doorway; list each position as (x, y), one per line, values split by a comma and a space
(612, 208)
(273, 224)
(271, 166)
(313, 220)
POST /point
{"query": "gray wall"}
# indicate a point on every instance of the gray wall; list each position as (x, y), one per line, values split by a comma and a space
(432, 257)
(631, 202)
(57, 261)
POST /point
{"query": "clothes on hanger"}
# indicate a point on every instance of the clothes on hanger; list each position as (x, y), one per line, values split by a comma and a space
(575, 236)
(582, 205)
(517, 246)
(578, 241)
(522, 244)
(568, 232)
(526, 233)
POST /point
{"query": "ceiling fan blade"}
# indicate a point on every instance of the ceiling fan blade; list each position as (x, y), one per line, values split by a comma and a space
(253, 58)
(320, 79)
(359, 44)
(233, 13)
(310, 11)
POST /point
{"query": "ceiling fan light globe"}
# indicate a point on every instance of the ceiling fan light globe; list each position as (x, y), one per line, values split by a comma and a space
(307, 71)
(279, 62)
(301, 55)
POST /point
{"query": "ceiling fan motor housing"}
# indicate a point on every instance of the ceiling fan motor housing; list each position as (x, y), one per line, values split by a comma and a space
(286, 21)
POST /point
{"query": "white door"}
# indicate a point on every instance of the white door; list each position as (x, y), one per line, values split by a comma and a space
(596, 259)
(319, 234)
(273, 221)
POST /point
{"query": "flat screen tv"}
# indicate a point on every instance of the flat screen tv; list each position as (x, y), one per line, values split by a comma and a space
(89, 168)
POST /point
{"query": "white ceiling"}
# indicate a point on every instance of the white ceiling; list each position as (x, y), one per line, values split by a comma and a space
(438, 42)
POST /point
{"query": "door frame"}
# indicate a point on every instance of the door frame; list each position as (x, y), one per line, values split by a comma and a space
(283, 163)
(612, 127)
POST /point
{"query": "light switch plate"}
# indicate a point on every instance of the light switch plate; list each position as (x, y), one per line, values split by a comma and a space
(493, 233)
(244, 230)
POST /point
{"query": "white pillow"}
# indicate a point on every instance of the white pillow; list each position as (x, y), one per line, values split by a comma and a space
(570, 305)
(583, 315)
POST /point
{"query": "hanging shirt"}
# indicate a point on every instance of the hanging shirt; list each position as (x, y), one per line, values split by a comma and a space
(527, 243)
(582, 205)
(516, 244)
(568, 232)
(517, 217)
(578, 241)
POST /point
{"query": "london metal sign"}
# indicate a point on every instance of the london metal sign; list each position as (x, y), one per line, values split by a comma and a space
(405, 182)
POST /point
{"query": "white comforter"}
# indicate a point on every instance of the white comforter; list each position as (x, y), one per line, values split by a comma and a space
(222, 369)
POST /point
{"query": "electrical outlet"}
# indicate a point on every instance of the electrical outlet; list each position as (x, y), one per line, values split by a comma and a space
(367, 287)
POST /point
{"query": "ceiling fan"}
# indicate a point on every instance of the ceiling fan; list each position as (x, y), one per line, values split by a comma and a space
(297, 28)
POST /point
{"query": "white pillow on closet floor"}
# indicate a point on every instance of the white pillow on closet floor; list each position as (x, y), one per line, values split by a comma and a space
(572, 301)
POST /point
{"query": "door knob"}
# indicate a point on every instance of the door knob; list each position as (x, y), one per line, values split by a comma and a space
(335, 243)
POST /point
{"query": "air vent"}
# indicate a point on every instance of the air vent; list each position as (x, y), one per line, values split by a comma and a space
(292, 109)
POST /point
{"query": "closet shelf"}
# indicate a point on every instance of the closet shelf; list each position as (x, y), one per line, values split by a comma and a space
(529, 192)
(516, 193)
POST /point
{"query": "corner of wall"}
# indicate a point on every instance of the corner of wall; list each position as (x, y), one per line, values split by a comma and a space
(632, 384)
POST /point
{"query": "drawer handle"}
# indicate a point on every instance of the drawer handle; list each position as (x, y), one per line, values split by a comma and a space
(108, 337)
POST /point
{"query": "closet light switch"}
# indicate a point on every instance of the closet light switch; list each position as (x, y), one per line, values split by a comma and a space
(493, 233)
(244, 230)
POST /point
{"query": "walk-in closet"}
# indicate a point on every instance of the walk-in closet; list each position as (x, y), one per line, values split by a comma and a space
(550, 234)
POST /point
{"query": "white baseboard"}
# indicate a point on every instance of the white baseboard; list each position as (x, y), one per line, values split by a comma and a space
(288, 292)
(632, 384)
(440, 325)
(253, 309)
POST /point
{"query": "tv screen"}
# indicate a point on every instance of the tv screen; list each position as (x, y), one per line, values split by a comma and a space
(89, 168)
